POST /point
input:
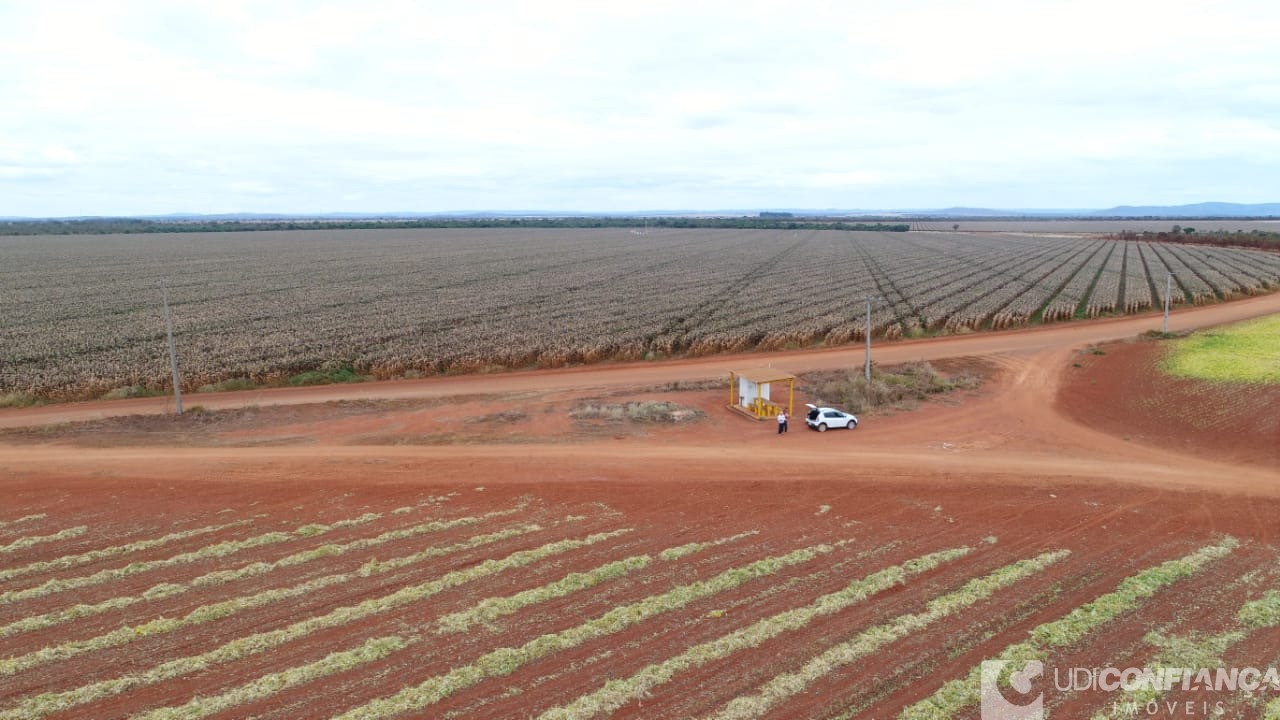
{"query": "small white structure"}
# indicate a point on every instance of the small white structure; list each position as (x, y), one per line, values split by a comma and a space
(749, 392)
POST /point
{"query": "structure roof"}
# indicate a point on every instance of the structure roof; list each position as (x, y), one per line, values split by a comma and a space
(764, 375)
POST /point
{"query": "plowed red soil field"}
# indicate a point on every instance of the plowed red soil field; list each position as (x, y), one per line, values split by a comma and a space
(1229, 421)
(465, 550)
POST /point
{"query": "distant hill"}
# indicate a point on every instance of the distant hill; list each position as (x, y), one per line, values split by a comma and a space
(1197, 210)
(1205, 209)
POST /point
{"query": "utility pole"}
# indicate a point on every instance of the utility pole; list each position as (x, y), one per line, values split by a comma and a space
(173, 352)
(868, 333)
(1168, 289)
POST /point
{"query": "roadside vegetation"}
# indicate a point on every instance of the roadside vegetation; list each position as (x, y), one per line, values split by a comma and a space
(897, 387)
(17, 400)
(640, 411)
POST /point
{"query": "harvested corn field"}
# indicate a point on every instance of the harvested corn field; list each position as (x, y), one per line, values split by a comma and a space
(81, 316)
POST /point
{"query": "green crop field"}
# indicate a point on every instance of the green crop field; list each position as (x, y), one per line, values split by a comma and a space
(1245, 352)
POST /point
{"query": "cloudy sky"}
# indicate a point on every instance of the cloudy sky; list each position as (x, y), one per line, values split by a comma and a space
(227, 106)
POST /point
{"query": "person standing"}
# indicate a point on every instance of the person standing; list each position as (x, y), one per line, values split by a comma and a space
(782, 421)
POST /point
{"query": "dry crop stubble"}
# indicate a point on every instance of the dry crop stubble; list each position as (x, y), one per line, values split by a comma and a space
(265, 307)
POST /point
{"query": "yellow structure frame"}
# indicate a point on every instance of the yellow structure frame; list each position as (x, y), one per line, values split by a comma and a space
(759, 408)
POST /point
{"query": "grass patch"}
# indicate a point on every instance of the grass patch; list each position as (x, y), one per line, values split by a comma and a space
(1244, 352)
(693, 385)
(505, 416)
(637, 411)
(1161, 335)
(900, 387)
(344, 374)
(17, 400)
(230, 385)
(132, 391)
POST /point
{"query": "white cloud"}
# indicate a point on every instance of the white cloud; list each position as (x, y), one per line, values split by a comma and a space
(140, 107)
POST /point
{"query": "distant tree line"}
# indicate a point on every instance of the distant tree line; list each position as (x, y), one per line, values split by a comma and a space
(111, 226)
(1190, 236)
